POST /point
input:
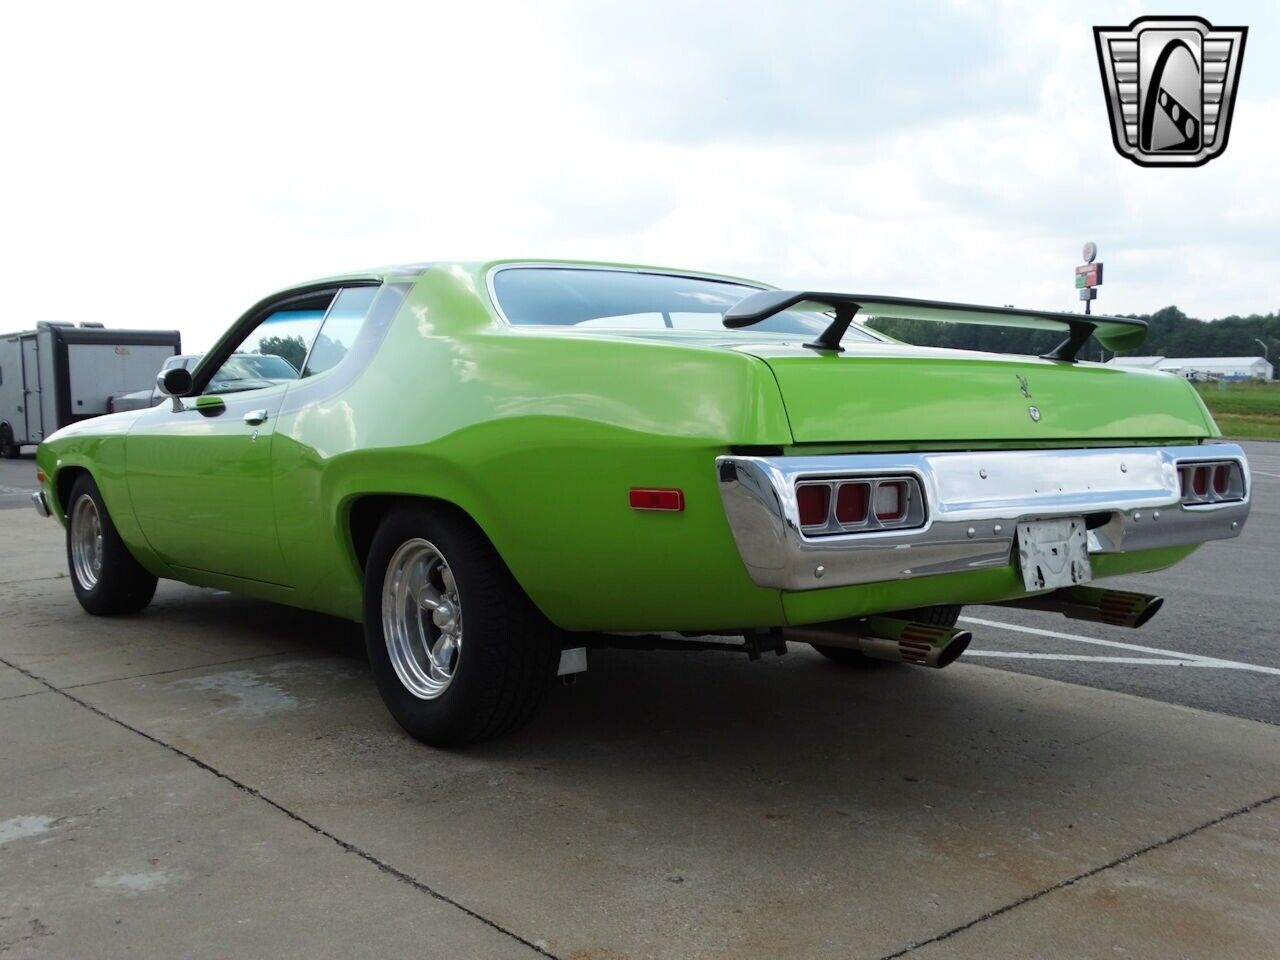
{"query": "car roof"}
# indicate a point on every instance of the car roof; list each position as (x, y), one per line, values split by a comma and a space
(411, 271)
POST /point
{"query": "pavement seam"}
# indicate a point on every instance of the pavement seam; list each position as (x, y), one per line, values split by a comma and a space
(160, 673)
(1087, 874)
(136, 676)
(5, 583)
(29, 693)
(346, 845)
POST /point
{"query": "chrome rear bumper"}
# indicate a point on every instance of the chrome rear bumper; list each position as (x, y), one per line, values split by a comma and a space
(40, 503)
(974, 501)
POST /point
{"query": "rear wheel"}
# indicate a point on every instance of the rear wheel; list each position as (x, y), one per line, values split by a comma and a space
(105, 576)
(9, 448)
(458, 650)
(944, 616)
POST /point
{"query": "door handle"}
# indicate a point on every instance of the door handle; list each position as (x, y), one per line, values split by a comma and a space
(255, 417)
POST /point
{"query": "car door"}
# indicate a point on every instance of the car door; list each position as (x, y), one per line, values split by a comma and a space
(200, 468)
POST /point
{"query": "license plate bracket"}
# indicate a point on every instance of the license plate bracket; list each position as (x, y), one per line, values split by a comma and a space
(1053, 553)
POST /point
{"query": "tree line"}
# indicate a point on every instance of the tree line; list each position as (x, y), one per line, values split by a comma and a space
(1170, 333)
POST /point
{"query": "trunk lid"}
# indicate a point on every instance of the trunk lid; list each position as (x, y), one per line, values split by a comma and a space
(898, 393)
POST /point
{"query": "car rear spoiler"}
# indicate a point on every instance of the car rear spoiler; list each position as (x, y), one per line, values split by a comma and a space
(1114, 333)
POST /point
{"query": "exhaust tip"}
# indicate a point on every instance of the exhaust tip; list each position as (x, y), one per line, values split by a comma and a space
(952, 651)
(1150, 611)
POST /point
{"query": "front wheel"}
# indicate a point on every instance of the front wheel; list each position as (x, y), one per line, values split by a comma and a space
(458, 650)
(105, 576)
(944, 616)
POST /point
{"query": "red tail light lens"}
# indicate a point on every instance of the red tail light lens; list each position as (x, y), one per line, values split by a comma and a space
(1221, 479)
(852, 501)
(891, 501)
(1200, 481)
(814, 501)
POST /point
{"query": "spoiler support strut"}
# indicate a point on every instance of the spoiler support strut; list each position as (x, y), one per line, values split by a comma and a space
(1069, 347)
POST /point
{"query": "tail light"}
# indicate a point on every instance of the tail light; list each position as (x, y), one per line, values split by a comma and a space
(1221, 479)
(852, 500)
(1199, 480)
(814, 501)
(1217, 481)
(837, 505)
(891, 501)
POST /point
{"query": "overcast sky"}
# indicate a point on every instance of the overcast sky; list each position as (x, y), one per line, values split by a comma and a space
(166, 165)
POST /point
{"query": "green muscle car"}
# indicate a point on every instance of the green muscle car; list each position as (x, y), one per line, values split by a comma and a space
(499, 466)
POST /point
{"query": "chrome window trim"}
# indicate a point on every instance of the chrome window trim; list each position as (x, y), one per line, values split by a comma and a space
(973, 502)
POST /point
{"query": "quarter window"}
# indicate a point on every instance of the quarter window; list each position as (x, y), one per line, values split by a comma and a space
(340, 328)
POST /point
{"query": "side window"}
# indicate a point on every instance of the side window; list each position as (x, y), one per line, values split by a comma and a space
(341, 327)
(273, 352)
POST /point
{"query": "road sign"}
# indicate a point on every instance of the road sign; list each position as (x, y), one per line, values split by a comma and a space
(1088, 275)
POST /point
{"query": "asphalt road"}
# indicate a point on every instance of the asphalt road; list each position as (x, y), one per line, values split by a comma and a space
(1215, 645)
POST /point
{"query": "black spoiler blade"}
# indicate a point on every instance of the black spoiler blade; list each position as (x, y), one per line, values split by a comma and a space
(1114, 333)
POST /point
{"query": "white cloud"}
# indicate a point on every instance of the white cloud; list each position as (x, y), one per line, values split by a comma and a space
(166, 165)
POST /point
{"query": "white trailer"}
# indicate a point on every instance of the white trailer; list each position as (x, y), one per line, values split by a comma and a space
(60, 373)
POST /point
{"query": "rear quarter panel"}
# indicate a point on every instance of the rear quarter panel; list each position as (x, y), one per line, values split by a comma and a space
(538, 437)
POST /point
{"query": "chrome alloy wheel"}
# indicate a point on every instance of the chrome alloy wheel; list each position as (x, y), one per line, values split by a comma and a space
(86, 542)
(422, 619)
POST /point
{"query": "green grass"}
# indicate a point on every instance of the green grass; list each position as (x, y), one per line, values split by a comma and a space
(1249, 410)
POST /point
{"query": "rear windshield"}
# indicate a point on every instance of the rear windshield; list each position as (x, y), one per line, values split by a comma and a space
(629, 300)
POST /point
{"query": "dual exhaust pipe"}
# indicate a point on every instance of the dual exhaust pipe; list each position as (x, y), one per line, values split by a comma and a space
(929, 645)
(888, 638)
(1119, 608)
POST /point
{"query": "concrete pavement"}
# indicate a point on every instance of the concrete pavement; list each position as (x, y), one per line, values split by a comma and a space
(217, 777)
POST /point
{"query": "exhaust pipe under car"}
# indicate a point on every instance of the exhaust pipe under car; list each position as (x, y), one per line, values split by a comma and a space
(1116, 607)
(887, 638)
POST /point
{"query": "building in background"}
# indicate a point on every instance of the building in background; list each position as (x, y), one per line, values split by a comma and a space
(1203, 368)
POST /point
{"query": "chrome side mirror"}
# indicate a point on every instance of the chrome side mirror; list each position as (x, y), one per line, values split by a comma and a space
(174, 383)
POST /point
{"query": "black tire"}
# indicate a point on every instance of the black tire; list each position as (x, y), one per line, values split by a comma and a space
(9, 450)
(508, 654)
(944, 616)
(121, 584)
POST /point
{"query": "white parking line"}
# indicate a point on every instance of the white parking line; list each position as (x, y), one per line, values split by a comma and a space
(1175, 655)
(1145, 661)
